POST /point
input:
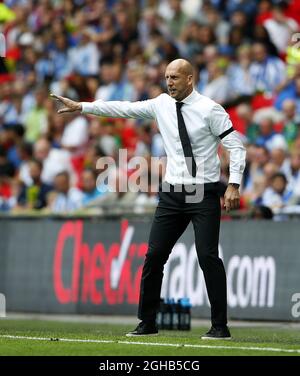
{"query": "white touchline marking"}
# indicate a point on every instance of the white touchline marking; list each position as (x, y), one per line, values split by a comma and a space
(271, 349)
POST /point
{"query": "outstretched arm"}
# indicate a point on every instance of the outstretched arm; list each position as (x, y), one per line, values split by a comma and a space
(117, 109)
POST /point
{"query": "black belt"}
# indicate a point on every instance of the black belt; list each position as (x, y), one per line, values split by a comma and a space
(185, 187)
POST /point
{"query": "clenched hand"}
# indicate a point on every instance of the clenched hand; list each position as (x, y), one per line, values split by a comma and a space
(232, 198)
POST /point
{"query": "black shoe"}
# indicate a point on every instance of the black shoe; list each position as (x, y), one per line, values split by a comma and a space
(221, 332)
(144, 329)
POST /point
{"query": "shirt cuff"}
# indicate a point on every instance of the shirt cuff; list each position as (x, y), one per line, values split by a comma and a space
(87, 108)
(235, 178)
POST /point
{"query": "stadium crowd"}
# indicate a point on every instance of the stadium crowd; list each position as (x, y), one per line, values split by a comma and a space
(246, 55)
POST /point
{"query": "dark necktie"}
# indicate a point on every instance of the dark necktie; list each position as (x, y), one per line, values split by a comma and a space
(185, 141)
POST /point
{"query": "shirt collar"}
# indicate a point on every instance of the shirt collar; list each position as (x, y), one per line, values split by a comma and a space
(190, 98)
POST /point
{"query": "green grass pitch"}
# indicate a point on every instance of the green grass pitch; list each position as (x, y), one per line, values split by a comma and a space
(268, 340)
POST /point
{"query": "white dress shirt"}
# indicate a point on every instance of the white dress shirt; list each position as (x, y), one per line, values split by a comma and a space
(205, 121)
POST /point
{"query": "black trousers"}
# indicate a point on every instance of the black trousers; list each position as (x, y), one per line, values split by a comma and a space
(172, 217)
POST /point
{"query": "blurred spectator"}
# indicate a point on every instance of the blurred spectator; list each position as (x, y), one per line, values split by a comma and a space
(291, 124)
(148, 23)
(89, 187)
(143, 146)
(178, 19)
(12, 136)
(240, 80)
(246, 6)
(64, 198)
(251, 129)
(257, 157)
(280, 27)
(220, 26)
(36, 119)
(239, 19)
(84, 58)
(292, 172)
(268, 137)
(276, 196)
(243, 55)
(279, 157)
(293, 61)
(11, 106)
(261, 35)
(188, 43)
(262, 212)
(127, 33)
(113, 85)
(6, 167)
(105, 31)
(55, 131)
(34, 196)
(291, 91)
(236, 38)
(54, 160)
(59, 54)
(217, 87)
(269, 170)
(266, 71)
(104, 132)
(157, 146)
(148, 198)
(24, 151)
(264, 11)
(253, 197)
(7, 172)
(75, 134)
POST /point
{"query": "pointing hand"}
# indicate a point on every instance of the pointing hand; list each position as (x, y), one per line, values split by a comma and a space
(70, 106)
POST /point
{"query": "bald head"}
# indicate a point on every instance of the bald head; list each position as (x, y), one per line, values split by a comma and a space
(179, 78)
(181, 65)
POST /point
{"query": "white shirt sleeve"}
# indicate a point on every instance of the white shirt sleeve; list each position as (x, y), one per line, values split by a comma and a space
(220, 124)
(121, 109)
